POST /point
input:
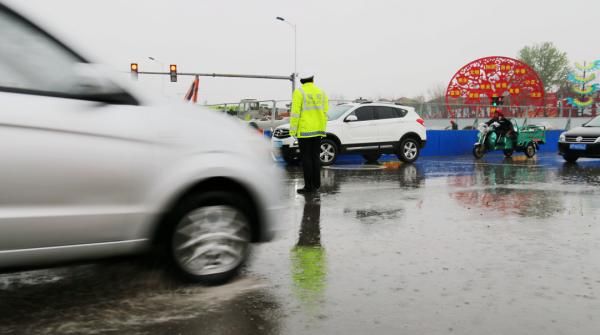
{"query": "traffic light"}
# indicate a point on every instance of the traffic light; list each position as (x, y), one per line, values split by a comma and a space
(497, 101)
(173, 72)
(134, 70)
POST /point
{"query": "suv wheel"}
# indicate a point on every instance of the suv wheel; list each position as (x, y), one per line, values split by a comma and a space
(409, 150)
(329, 152)
(209, 237)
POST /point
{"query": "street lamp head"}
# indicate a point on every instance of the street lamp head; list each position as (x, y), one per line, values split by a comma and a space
(151, 58)
(280, 18)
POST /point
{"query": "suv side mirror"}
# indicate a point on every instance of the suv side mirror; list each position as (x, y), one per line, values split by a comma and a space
(351, 118)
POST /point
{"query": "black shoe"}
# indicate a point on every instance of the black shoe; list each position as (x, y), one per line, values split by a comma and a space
(305, 190)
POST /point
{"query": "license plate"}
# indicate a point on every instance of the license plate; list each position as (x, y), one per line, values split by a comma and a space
(577, 146)
(277, 144)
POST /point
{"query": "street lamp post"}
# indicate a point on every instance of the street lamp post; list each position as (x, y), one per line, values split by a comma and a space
(295, 49)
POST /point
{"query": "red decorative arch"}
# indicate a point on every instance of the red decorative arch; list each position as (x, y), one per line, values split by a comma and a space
(479, 81)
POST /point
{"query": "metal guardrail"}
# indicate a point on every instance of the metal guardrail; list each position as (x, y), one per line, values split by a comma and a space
(445, 111)
(270, 113)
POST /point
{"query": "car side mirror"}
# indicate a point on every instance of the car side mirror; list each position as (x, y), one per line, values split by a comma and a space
(351, 118)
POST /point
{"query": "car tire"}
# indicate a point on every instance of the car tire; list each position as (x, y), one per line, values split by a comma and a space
(329, 152)
(530, 150)
(409, 150)
(570, 158)
(478, 151)
(372, 157)
(508, 152)
(208, 237)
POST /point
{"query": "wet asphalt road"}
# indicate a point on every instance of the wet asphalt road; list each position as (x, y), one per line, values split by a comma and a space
(444, 246)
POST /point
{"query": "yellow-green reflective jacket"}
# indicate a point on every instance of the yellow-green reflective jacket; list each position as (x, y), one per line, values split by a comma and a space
(309, 112)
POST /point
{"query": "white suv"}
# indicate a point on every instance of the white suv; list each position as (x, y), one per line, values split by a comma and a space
(370, 129)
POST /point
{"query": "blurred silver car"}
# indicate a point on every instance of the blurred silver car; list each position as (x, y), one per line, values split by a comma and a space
(90, 170)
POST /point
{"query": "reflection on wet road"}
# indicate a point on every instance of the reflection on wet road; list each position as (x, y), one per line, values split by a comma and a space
(439, 247)
(309, 266)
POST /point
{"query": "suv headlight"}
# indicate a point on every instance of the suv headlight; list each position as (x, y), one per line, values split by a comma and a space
(561, 138)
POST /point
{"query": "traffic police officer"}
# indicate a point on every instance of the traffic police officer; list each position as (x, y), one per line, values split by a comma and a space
(307, 123)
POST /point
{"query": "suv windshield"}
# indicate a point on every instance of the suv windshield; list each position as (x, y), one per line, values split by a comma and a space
(337, 111)
(594, 123)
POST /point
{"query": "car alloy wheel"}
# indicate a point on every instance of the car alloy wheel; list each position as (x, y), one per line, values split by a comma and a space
(211, 240)
(328, 152)
(409, 150)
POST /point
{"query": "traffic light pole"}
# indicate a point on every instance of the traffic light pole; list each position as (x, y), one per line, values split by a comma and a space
(291, 78)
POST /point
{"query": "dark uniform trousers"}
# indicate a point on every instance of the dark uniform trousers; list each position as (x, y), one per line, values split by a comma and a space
(310, 150)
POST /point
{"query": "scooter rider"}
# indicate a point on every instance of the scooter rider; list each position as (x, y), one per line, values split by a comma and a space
(502, 125)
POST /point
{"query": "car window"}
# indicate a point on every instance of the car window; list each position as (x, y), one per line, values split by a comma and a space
(401, 112)
(390, 112)
(387, 113)
(337, 111)
(31, 60)
(365, 113)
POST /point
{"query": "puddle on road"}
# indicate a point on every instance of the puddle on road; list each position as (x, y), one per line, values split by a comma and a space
(95, 299)
(365, 167)
(374, 215)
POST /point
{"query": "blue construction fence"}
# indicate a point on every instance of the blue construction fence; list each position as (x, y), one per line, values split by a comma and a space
(456, 143)
(460, 142)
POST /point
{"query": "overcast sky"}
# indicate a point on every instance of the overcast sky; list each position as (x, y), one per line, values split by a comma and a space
(371, 48)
